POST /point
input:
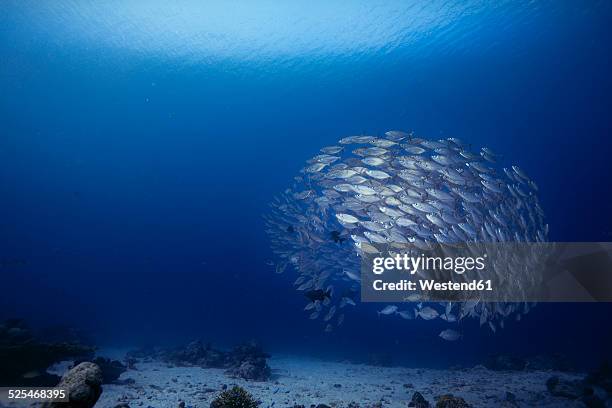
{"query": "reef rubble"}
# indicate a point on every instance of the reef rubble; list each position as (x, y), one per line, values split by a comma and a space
(593, 391)
(25, 357)
(247, 360)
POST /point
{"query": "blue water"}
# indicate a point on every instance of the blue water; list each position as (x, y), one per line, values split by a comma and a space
(140, 145)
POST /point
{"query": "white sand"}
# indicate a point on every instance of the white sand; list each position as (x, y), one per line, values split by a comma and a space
(309, 381)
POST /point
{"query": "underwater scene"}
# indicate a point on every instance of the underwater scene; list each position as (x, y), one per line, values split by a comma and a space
(191, 193)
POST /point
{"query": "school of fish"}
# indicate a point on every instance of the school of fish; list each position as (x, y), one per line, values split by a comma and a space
(397, 189)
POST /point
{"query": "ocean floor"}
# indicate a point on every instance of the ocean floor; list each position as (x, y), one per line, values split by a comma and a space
(307, 381)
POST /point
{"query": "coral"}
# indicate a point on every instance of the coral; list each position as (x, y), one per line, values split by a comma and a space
(111, 369)
(418, 401)
(450, 401)
(247, 360)
(251, 369)
(236, 397)
(25, 358)
(83, 384)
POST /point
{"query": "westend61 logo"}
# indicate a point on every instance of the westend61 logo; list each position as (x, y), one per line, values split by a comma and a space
(488, 272)
(412, 264)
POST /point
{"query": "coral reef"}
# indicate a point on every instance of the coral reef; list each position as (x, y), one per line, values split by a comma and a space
(198, 354)
(247, 360)
(65, 334)
(25, 358)
(235, 397)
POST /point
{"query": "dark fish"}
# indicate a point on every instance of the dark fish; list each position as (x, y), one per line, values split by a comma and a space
(335, 236)
(318, 294)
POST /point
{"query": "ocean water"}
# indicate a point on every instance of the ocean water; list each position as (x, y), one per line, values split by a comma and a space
(141, 142)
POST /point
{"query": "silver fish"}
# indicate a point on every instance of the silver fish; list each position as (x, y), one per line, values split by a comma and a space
(428, 313)
(450, 335)
(347, 218)
(373, 161)
(388, 310)
(406, 314)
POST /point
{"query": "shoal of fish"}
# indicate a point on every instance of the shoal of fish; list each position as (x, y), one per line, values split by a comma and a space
(397, 189)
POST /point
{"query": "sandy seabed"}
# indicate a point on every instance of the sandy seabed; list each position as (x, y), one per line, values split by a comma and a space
(307, 381)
